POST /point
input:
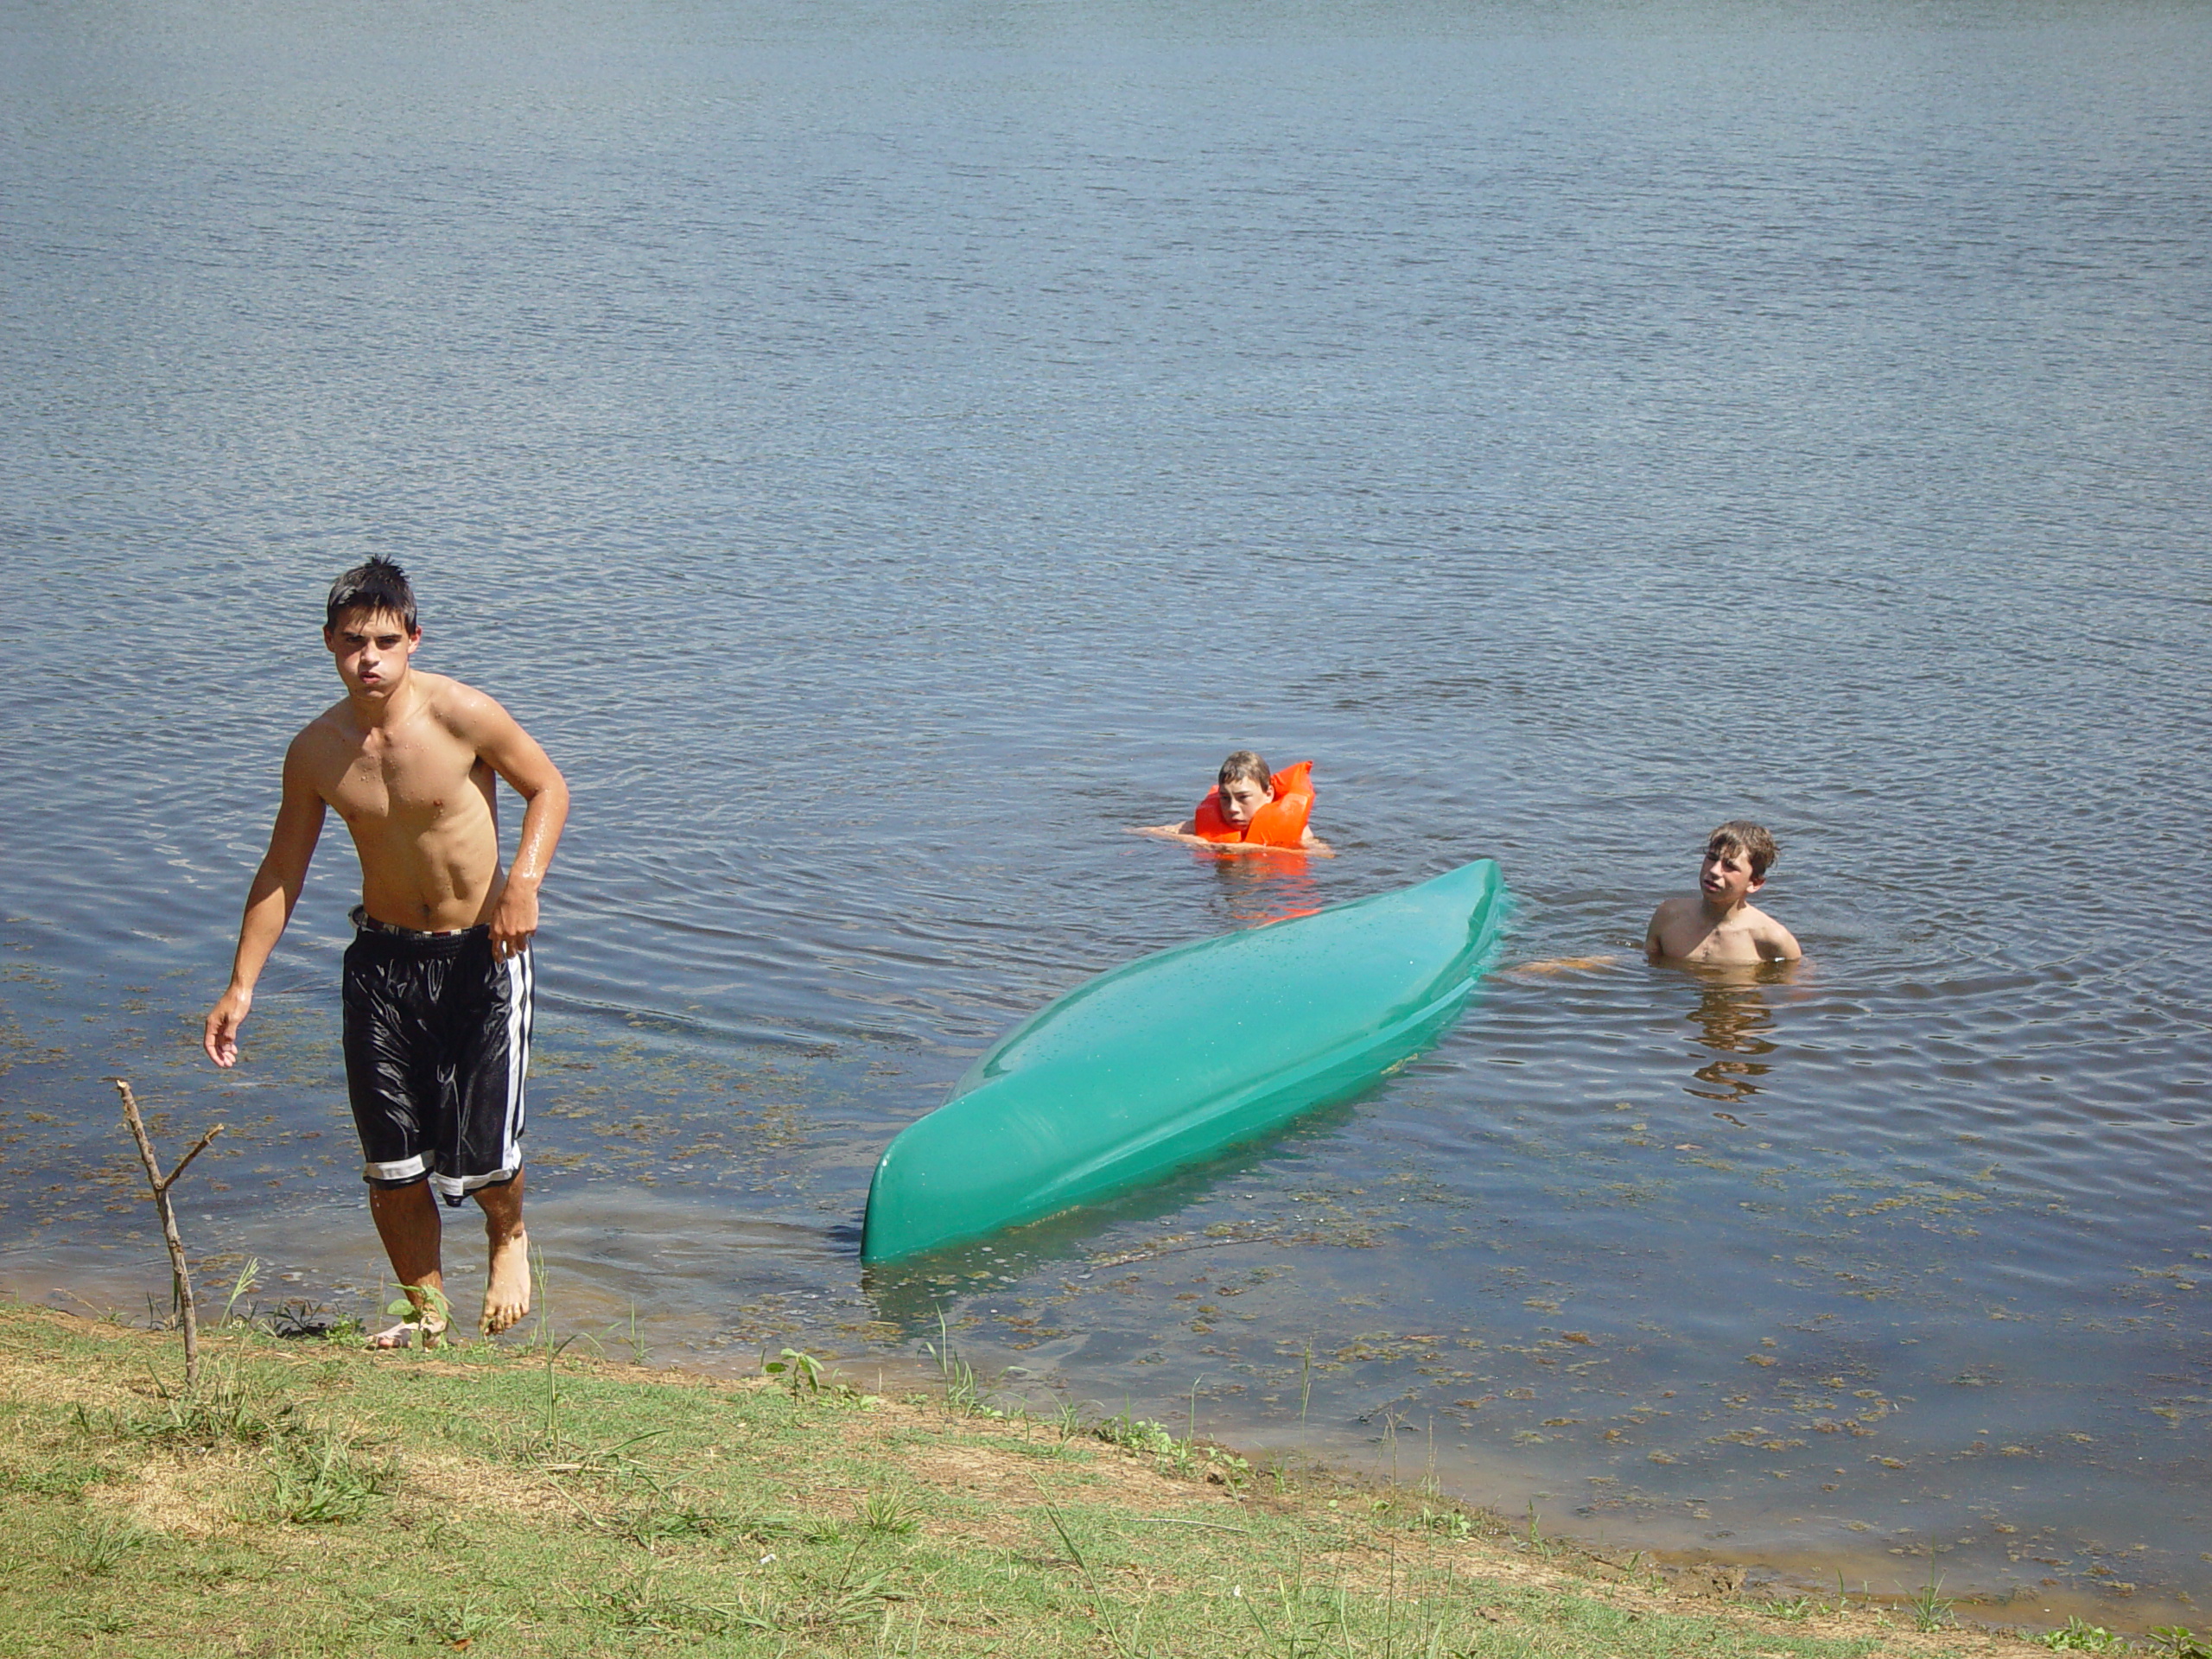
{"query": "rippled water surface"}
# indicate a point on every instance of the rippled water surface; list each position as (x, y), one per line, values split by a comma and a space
(884, 452)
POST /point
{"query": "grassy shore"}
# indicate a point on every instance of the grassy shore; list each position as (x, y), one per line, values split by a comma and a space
(311, 1499)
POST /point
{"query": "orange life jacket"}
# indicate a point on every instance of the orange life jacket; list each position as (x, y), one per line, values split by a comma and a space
(1280, 823)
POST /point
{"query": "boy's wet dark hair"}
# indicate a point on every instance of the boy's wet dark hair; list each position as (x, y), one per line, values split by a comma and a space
(1248, 766)
(1751, 840)
(378, 585)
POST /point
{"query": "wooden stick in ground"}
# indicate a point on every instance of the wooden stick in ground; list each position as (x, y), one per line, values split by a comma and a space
(187, 1314)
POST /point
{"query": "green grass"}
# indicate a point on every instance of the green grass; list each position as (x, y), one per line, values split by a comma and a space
(315, 1500)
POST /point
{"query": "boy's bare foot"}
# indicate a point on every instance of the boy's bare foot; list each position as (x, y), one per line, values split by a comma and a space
(506, 1297)
(401, 1335)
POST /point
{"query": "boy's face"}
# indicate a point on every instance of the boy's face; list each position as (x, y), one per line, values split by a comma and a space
(1726, 877)
(371, 649)
(1241, 799)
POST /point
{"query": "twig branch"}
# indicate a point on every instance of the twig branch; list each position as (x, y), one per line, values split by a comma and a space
(198, 1146)
(187, 1312)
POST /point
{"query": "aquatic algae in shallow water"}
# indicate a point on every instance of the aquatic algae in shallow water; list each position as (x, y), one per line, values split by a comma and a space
(1169, 1059)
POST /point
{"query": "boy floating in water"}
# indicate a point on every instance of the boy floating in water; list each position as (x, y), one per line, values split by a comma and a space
(1251, 810)
(1720, 924)
(438, 979)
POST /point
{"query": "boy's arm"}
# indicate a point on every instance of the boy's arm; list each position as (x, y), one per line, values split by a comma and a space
(1187, 833)
(269, 903)
(1652, 947)
(1777, 942)
(501, 744)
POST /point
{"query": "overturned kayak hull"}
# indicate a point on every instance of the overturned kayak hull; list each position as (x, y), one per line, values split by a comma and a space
(1171, 1059)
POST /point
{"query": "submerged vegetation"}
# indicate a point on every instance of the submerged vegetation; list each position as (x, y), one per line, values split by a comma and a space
(311, 1499)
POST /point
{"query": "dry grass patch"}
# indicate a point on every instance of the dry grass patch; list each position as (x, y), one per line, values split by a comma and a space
(199, 1500)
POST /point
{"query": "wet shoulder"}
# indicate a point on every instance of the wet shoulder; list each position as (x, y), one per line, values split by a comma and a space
(460, 710)
(460, 707)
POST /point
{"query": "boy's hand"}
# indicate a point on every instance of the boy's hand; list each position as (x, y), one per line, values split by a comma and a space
(514, 919)
(220, 1039)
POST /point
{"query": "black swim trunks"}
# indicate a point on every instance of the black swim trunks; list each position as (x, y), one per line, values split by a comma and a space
(437, 1044)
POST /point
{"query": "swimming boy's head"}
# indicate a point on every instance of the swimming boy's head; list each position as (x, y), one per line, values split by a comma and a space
(369, 626)
(1246, 786)
(1737, 855)
(1748, 841)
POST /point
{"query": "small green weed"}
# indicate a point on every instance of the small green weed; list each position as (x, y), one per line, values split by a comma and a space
(1931, 1609)
(2079, 1635)
(678, 1520)
(1792, 1608)
(643, 1604)
(101, 1545)
(1171, 1455)
(841, 1600)
(320, 1481)
(798, 1369)
(428, 1319)
(1136, 1433)
(223, 1412)
(249, 1278)
(1535, 1539)
(888, 1514)
(963, 1391)
(65, 1479)
(1446, 1524)
(2178, 1642)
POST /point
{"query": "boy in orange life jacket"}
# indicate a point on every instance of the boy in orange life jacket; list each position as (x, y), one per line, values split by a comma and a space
(1251, 810)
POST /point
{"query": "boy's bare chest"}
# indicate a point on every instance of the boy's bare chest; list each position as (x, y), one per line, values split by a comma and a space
(415, 776)
(1721, 942)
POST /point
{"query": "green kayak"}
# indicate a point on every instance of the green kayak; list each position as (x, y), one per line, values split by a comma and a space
(1170, 1060)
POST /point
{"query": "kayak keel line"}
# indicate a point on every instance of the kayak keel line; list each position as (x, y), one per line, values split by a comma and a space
(1168, 1060)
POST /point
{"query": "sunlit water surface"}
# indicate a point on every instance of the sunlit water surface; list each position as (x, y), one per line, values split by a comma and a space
(884, 452)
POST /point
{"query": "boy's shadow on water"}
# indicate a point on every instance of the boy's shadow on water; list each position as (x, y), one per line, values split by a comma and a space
(909, 1293)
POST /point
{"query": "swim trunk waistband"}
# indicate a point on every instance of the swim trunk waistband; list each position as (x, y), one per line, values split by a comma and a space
(360, 917)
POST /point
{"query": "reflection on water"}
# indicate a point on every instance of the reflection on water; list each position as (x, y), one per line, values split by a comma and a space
(1733, 1016)
(1257, 888)
(875, 453)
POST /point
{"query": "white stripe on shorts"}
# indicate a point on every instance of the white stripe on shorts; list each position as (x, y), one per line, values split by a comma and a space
(521, 985)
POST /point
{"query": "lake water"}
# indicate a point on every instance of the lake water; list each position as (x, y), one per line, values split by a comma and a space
(883, 452)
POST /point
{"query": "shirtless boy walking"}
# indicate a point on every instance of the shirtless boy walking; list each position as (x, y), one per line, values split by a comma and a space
(437, 981)
(1720, 924)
